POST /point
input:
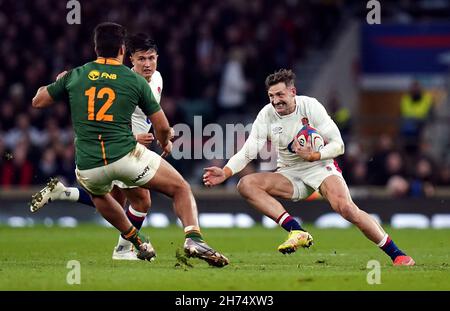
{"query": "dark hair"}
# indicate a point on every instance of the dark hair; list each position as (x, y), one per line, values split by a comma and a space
(286, 76)
(108, 38)
(140, 42)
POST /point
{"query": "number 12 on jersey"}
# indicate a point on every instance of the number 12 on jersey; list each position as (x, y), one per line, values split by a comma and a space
(101, 114)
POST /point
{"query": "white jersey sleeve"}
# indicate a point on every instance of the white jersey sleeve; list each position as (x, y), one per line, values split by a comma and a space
(328, 129)
(156, 84)
(254, 143)
(139, 121)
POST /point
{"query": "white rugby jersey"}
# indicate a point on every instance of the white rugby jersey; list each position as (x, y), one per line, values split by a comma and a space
(281, 130)
(139, 121)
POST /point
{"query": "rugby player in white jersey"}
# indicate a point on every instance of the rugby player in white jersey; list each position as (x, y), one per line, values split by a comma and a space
(144, 57)
(301, 170)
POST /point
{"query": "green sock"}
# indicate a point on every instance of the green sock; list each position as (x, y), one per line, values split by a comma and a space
(134, 236)
(195, 235)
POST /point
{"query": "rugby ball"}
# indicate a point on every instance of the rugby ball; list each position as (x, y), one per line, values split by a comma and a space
(309, 135)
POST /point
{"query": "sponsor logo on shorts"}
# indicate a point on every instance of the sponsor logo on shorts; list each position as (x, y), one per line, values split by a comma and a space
(329, 169)
(147, 168)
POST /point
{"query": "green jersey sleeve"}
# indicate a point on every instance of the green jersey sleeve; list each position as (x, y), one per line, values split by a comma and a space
(57, 89)
(147, 101)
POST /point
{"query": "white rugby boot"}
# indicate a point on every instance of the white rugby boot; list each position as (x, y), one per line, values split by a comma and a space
(123, 252)
(49, 193)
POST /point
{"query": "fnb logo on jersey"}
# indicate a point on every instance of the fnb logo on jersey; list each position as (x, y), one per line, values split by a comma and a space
(111, 76)
(95, 74)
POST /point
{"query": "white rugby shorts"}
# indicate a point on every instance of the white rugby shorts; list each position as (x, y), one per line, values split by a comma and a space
(307, 180)
(134, 169)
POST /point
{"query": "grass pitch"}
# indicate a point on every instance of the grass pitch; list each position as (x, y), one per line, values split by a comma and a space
(36, 259)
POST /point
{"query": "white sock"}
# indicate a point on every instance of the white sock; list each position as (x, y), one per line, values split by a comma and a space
(69, 194)
(191, 228)
(383, 240)
(136, 213)
(124, 243)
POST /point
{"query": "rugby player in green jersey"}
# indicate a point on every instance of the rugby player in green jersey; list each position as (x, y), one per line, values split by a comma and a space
(102, 95)
(144, 57)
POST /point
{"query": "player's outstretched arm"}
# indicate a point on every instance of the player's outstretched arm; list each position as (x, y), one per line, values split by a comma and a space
(43, 98)
(214, 175)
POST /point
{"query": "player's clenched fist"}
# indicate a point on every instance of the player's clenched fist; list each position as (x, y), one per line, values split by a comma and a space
(171, 134)
(306, 152)
(167, 149)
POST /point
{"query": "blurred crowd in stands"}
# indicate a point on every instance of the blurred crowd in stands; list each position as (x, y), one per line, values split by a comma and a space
(214, 57)
(404, 163)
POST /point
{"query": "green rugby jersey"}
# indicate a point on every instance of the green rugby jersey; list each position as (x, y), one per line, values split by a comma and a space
(103, 95)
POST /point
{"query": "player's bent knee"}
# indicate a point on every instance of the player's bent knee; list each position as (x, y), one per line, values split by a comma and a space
(141, 203)
(245, 185)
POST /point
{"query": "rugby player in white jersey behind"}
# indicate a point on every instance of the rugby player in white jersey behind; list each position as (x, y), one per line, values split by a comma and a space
(300, 170)
(144, 57)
